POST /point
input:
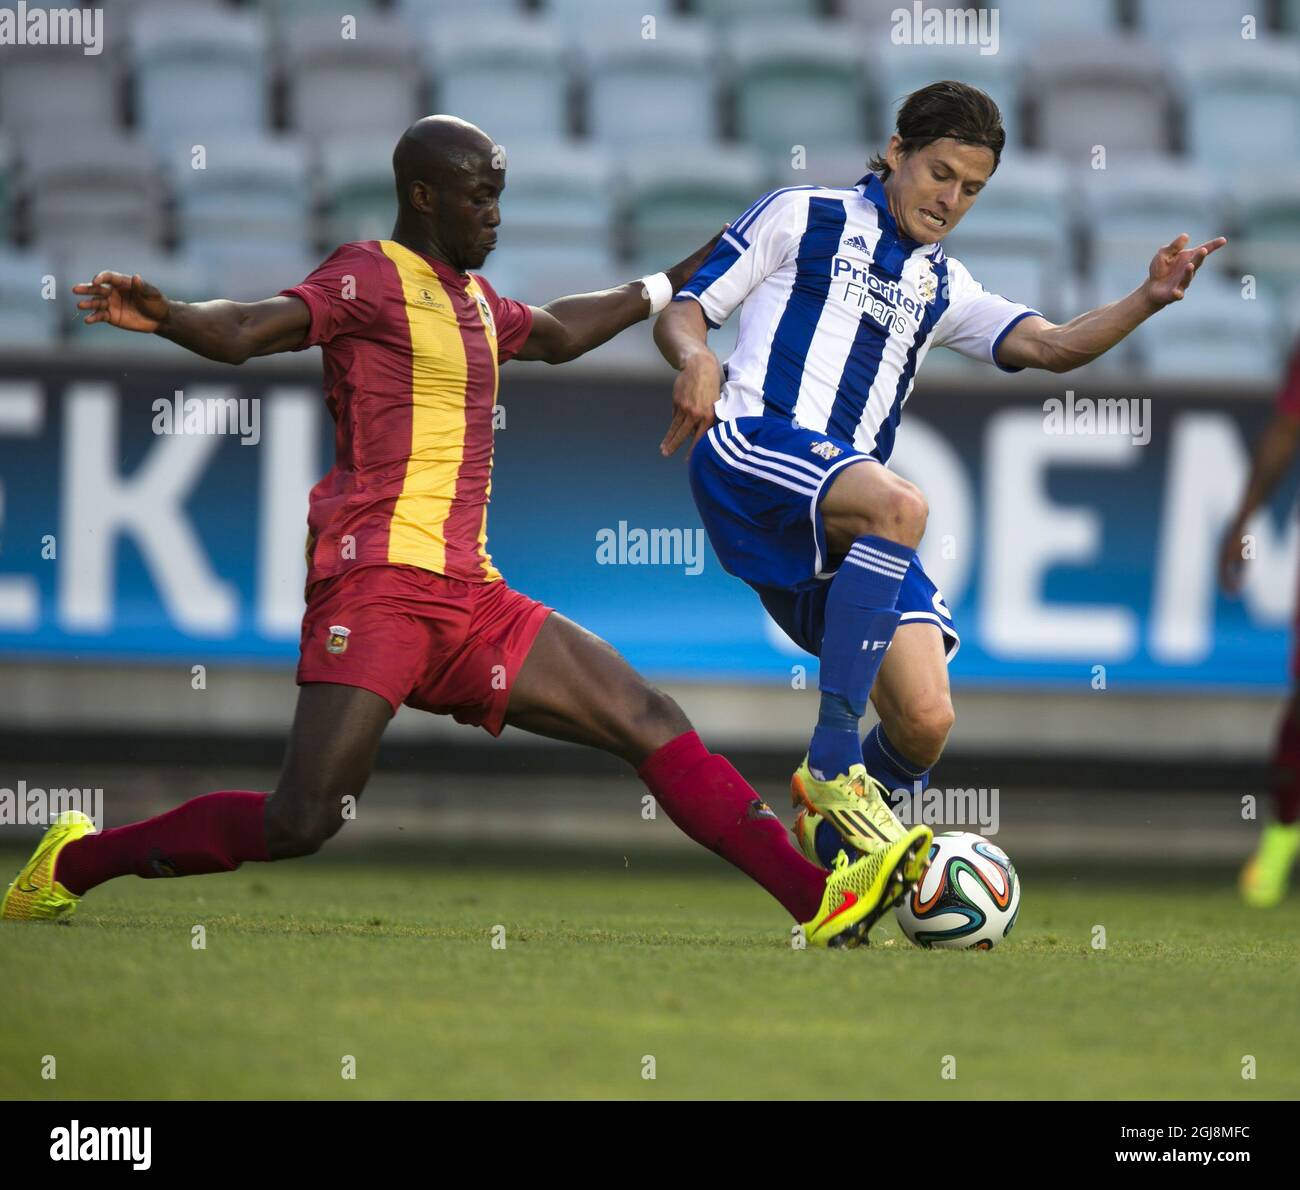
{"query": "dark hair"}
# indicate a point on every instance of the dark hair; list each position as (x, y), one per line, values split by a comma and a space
(946, 109)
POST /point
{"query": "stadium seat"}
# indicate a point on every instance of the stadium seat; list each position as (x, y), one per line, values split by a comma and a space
(27, 318)
(1112, 92)
(508, 75)
(1132, 211)
(418, 13)
(198, 73)
(1266, 206)
(1170, 20)
(1023, 23)
(575, 15)
(356, 180)
(1020, 273)
(836, 166)
(676, 68)
(898, 70)
(58, 87)
(797, 83)
(341, 87)
(285, 13)
(557, 207)
(93, 190)
(178, 276)
(1214, 335)
(741, 12)
(8, 189)
(255, 196)
(677, 199)
(254, 276)
(1242, 99)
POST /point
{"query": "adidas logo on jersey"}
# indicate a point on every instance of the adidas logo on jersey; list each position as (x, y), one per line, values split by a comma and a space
(857, 243)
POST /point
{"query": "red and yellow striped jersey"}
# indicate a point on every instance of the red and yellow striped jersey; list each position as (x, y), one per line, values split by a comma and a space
(411, 350)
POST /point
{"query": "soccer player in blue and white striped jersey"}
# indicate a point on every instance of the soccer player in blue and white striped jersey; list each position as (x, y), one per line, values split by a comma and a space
(841, 294)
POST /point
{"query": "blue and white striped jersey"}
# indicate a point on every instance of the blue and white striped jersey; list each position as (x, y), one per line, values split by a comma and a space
(839, 311)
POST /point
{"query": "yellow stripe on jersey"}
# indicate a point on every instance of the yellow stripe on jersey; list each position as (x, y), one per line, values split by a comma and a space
(485, 313)
(438, 377)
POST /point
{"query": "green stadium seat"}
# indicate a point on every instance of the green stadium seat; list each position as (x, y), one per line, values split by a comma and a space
(255, 196)
(1128, 213)
(28, 319)
(1022, 23)
(51, 88)
(1266, 210)
(797, 83)
(95, 190)
(677, 198)
(199, 73)
(740, 12)
(1242, 99)
(1112, 91)
(643, 91)
(340, 87)
(898, 70)
(557, 208)
(1213, 336)
(1171, 20)
(356, 185)
(508, 75)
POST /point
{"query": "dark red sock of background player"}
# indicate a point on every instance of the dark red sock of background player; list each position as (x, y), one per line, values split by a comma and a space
(715, 806)
(1286, 760)
(213, 833)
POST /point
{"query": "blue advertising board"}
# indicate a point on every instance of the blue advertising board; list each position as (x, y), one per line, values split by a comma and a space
(1063, 540)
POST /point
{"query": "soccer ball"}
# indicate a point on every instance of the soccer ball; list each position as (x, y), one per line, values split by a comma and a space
(968, 897)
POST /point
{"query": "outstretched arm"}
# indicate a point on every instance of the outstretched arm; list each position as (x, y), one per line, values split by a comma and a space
(1037, 343)
(225, 331)
(568, 327)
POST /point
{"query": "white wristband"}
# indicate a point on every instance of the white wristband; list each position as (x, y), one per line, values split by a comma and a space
(658, 290)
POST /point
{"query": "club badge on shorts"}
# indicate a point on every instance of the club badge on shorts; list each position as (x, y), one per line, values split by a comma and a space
(338, 641)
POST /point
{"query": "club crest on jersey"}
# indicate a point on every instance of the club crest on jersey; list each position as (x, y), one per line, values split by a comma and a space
(486, 311)
(928, 285)
(827, 450)
(338, 639)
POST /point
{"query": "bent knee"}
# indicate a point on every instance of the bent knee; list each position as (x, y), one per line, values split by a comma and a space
(922, 728)
(897, 512)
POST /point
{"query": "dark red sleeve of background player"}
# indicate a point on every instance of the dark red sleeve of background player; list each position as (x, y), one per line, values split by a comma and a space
(343, 294)
(1288, 400)
(514, 321)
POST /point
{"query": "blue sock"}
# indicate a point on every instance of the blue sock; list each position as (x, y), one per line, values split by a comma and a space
(860, 623)
(892, 769)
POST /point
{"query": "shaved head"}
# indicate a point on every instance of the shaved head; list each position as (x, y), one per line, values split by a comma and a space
(449, 177)
(439, 150)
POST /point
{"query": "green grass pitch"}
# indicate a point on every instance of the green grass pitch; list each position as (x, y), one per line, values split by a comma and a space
(608, 962)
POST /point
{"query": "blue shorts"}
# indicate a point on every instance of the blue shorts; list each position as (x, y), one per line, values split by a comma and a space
(758, 483)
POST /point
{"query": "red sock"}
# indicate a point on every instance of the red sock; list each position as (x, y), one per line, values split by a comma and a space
(715, 806)
(1286, 760)
(213, 833)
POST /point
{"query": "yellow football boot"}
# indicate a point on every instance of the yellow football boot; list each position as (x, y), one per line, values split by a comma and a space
(34, 894)
(857, 806)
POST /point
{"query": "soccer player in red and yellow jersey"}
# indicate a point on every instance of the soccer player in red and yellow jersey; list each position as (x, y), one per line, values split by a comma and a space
(1267, 874)
(404, 604)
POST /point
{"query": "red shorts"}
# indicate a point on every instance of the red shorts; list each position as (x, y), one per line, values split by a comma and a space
(434, 643)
